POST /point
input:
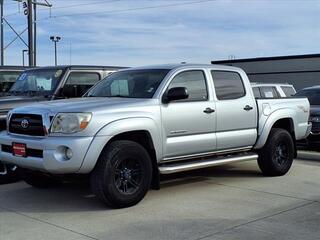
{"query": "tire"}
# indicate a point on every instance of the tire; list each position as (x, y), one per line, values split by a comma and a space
(37, 179)
(11, 174)
(122, 175)
(276, 157)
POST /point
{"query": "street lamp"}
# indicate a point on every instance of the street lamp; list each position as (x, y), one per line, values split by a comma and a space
(24, 51)
(55, 39)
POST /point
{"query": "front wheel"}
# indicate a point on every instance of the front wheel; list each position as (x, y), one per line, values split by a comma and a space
(276, 157)
(122, 175)
(8, 173)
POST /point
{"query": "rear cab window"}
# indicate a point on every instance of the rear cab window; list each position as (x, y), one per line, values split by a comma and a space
(228, 85)
(288, 91)
(256, 92)
(269, 92)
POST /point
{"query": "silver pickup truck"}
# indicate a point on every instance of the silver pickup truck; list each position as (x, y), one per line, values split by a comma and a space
(142, 122)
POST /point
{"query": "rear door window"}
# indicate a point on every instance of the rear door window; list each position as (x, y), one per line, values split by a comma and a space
(228, 85)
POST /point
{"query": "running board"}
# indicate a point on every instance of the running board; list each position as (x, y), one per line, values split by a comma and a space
(175, 167)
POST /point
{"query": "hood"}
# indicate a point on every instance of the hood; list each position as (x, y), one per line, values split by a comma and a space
(9, 102)
(314, 110)
(90, 104)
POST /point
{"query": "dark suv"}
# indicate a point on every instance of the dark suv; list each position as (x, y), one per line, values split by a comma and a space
(313, 94)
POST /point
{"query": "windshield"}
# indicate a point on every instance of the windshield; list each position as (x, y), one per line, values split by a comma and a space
(40, 82)
(7, 79)
(313, 95)
(129, 84)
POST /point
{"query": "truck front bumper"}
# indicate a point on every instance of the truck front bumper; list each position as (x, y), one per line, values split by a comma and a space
(47, 154)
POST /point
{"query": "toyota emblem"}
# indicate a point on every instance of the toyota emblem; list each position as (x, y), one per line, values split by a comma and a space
(24, 123)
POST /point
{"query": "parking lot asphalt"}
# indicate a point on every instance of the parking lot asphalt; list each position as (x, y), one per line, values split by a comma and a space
(228, 202)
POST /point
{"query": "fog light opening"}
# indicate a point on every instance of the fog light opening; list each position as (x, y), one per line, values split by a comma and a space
(68, 153)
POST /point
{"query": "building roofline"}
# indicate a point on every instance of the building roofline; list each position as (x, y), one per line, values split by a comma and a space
(259, 59)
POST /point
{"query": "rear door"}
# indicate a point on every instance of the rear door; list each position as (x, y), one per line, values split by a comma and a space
(236, 111)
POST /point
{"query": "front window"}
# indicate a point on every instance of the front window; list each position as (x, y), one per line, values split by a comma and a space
(313, 95)
(40, 82)
(129, 84)
(7, 79)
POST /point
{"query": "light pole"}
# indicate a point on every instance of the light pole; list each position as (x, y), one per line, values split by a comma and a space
(23, 51)
(55, 40)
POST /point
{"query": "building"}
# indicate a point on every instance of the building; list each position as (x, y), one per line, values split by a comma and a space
(300, 70)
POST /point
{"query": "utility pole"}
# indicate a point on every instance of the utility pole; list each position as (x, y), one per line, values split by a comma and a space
(30, 9)
(35, 32)
(1, 34)
(30, 34)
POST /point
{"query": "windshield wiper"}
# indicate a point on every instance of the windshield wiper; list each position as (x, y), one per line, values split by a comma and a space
(120, 96)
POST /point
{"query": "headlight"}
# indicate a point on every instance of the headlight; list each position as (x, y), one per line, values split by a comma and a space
(70, 122)
(314, 119)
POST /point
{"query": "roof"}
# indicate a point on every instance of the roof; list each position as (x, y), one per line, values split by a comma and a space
(80, 67)
(11, 67)
(184, 65)
(259, 59)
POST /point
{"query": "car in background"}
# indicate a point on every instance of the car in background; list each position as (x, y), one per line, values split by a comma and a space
(273, 90)
(313, 94)
(8, 76)
(46, 84)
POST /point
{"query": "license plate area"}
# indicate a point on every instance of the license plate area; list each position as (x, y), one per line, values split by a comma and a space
(19, 149)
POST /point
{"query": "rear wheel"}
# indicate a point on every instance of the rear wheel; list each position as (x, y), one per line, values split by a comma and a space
(276, 157)
(122, 175)
(38, 179)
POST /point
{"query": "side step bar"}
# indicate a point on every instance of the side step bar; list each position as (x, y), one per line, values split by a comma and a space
(168, 168)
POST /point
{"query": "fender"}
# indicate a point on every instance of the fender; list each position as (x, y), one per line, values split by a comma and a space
(267, 122)
(107, 132)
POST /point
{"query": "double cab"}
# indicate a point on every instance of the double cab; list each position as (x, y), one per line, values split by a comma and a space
(141, 122)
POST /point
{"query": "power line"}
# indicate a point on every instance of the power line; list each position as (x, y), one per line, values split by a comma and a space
(130, 9)
(82, 4)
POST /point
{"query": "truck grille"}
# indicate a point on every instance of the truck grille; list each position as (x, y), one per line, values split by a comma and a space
(26, 124)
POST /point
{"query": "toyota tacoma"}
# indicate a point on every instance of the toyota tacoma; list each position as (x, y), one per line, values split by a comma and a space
(142, 122)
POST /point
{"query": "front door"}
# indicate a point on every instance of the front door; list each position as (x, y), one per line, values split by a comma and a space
(188, 126)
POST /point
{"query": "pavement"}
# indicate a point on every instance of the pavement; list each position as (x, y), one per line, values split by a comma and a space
(227, 202)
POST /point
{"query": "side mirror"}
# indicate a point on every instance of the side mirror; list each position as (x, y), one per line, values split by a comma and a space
(176, 93)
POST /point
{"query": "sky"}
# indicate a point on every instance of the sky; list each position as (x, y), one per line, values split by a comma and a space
(144, 32)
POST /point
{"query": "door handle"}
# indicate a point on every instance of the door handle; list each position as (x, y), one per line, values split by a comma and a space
(208, 110)
(247, 108)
